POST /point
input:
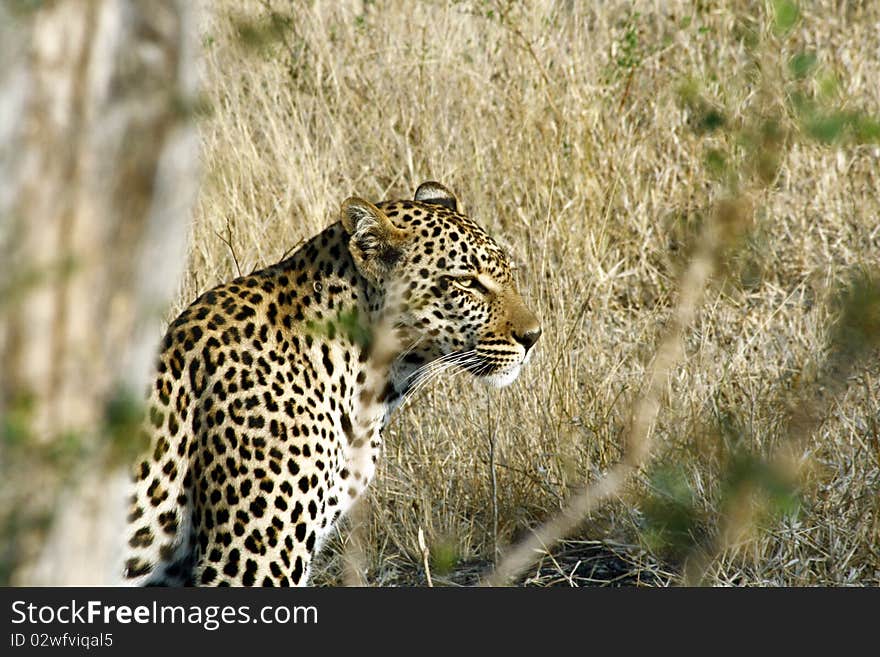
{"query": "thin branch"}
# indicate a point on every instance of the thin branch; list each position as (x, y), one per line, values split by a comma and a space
(227, 240)
(638, 444)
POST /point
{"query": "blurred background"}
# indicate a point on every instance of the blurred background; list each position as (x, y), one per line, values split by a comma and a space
(150, 150)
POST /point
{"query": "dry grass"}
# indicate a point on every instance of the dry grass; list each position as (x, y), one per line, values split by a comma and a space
(561, 127)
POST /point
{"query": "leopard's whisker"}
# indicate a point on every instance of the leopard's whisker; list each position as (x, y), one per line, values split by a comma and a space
(461, 364)
(454, 356)
(430, 376)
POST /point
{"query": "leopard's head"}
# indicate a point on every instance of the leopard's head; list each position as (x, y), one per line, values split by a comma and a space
(455, 293)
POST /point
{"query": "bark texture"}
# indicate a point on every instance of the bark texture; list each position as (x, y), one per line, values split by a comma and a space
(98, 174)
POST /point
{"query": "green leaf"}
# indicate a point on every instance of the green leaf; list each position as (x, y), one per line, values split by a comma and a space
(866, 130)
(348, 323)
(711, 120)
(123, 414)
(802, 65)
(716, 162)
(857, 306)
(827, 128)
(829, 86)
(688, 91)
(670, 512)
(785, 15)
(444, 556)
(15, 424)
(747, 471)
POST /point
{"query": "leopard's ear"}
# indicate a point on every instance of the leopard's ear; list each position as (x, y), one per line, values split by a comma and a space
(434, 192)
(375, 244)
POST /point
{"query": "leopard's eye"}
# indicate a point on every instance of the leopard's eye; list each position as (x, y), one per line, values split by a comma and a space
(471, 283)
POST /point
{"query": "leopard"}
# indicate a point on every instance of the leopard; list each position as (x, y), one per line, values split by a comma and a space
(265, 417)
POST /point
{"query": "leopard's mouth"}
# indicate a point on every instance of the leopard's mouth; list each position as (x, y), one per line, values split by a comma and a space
(497, 368)
(489, 364)
(501, 376)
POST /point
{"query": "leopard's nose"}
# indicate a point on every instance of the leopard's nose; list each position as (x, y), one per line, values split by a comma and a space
(528, 338)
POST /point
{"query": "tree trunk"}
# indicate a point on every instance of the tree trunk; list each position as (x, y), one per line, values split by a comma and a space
(98, 174)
